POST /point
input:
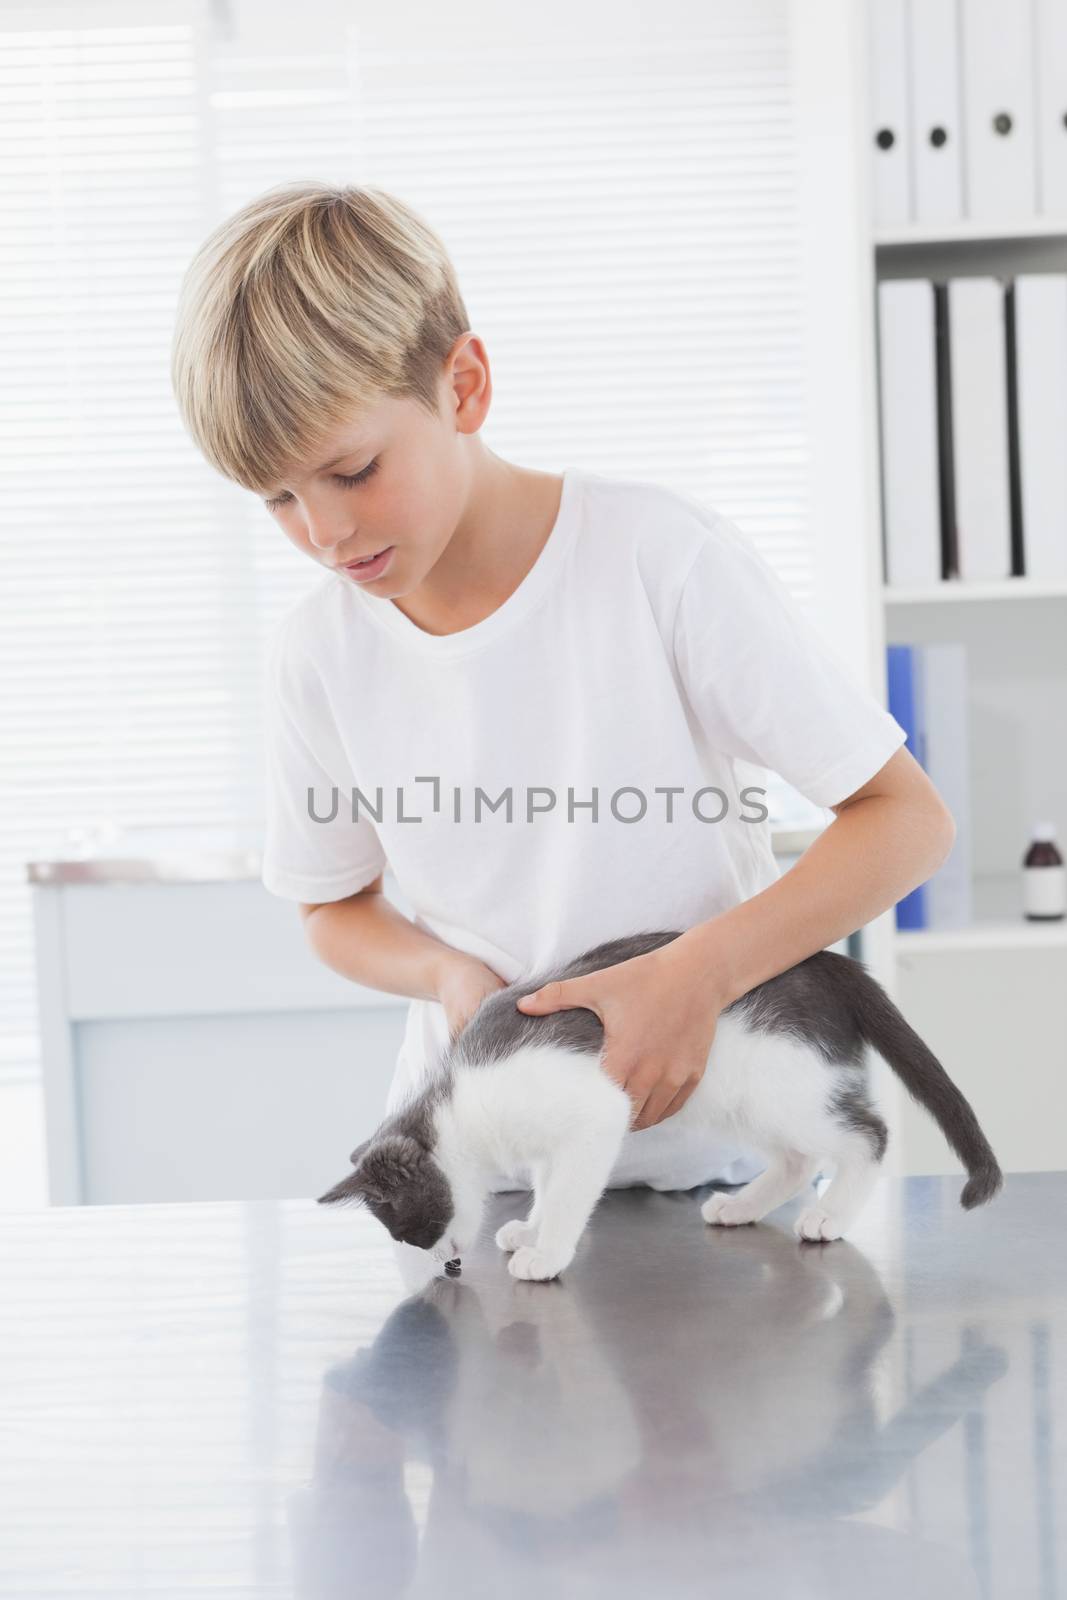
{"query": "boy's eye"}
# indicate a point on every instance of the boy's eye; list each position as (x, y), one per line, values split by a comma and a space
(339, 477)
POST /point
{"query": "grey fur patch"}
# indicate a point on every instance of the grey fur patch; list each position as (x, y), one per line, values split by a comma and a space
(813, 1002)
(851, 1107)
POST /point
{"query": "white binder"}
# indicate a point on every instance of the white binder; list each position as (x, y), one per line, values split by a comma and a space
(941, 693)
(936, 129)
(907, 379)
(1000, 158)
(888, 67)
(978, 367)
(1041, 372)
(1051, 56)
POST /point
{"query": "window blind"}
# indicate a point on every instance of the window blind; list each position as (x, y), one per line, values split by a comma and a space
(618, 193)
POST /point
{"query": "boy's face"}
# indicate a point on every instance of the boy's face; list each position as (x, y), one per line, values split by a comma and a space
(414, 485)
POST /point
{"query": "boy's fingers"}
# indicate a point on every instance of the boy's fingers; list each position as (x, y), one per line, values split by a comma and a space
(624, 1073)
(642, 1117)
(652, 1112)
(677, 1103)
(657, 1101)
(555, 996)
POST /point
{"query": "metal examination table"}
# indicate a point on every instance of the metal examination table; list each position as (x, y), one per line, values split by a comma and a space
(272, 1399)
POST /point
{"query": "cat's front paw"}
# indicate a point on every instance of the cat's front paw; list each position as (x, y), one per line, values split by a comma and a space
(537, 1265)
(726, 1211)
(817, 1223)
(515, 1234)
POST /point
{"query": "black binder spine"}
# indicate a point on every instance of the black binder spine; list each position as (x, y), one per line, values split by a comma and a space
(950, 557)
(1015, 480)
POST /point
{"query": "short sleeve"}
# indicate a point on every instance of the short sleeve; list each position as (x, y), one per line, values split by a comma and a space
(313, 851)
(764, 686)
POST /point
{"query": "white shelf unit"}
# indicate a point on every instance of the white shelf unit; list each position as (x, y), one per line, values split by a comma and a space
(986, 997)
(969, 231)
(1015, 630)
(998, 924)
(953, 592)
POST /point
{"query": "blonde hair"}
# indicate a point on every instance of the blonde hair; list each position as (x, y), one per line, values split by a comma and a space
(299, 311)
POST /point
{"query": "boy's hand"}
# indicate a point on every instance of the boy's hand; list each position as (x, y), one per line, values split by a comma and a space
(462, 985)
(659, 1013)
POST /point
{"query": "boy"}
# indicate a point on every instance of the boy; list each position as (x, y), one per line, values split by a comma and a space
(526, 692)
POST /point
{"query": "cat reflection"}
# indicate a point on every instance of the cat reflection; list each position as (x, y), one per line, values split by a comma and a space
(566, 1446)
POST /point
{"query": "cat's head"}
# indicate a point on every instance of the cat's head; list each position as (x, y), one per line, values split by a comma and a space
(401, 1183)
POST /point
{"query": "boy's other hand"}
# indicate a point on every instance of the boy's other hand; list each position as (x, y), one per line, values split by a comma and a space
(463, 984)
(659, 1014)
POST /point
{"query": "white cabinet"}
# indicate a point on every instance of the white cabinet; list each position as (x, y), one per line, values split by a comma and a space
(994, 1015)
(193, 1046)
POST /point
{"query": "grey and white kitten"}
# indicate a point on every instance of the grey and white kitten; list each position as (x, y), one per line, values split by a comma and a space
(785, 1075)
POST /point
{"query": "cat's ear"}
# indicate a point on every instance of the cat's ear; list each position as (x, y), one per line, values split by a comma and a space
(356, 1187)
(392, 1163)
(381, 1169)
(351, 1190)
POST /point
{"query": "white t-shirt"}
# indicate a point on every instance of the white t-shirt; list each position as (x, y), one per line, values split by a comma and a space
(650, 647)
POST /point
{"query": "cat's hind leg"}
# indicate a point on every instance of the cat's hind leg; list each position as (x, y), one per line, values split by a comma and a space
(787, 1172)
(858, 1158)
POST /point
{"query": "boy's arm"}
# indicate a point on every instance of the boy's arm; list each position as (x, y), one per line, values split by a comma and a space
(368, 888)
(365, 938)
(889, 836)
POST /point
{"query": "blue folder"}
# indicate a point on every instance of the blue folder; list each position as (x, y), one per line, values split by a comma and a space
(905, 704)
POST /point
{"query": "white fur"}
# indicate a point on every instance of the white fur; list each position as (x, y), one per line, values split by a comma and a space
(556, 1115)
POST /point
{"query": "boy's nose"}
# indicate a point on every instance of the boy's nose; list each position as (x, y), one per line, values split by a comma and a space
(327, 538)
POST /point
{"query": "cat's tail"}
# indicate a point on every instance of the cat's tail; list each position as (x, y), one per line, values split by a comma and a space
(887, 1031)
